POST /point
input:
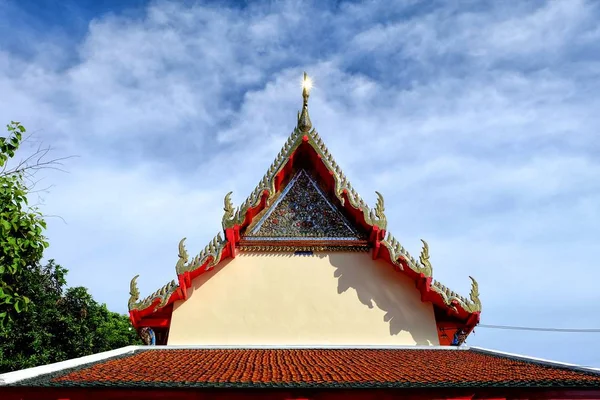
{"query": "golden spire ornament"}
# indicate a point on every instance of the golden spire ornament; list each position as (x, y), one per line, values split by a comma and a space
(304, 123)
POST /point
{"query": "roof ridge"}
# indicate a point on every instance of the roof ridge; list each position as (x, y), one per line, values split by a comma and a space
(32, 373)
(233, 216)
(539, 361)
(307, 347)
(372, 366)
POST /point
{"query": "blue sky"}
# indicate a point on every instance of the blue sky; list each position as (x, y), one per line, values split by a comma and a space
(478, 121)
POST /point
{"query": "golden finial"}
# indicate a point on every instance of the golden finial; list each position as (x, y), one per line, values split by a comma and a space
(304, 123)
(306, 86)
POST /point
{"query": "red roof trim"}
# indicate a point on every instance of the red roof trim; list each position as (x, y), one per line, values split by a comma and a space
(306, 156)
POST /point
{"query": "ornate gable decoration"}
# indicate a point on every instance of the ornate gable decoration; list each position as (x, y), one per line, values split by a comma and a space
(302, 216)
(343, 189)
(302, 212)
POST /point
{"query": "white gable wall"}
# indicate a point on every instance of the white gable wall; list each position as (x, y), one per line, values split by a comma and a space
(286, 299)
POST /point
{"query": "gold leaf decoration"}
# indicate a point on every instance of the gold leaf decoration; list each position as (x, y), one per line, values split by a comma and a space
(377, 215)
(343, 191)
(397, 251)
(304, 123)
(134, 293)
(374, 217)
(214, 250)
(291, 249)
(163, 294)
(266, 185)
(424, 260)
(228, 220)
(475, 304)
(183, 256)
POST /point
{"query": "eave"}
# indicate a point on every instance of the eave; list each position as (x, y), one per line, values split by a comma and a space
(313, 371)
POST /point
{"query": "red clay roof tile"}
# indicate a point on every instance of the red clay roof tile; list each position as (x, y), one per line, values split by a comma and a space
(316, 367)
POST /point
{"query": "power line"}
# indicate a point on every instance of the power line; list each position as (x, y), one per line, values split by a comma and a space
(525, 328)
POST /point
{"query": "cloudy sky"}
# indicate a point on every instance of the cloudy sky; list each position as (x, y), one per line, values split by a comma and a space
(478, 121)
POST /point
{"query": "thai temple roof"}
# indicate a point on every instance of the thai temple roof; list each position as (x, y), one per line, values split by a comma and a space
(306, 171)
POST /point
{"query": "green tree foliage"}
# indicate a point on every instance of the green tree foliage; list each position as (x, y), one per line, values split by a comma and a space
(21, 228)
(61, 323)
(41, 320)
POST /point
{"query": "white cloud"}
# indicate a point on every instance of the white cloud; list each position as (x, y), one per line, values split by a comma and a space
(479, 126)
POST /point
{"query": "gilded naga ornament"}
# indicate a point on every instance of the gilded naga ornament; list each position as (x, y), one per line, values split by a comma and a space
(230, 215)
(474, 296)
(213, 250)
(266, 191)
(377, 215)
(183, 256)
(424, 259)
(343, 189)
(134, 293)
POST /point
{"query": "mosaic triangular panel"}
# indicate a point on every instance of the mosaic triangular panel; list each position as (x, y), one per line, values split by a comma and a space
(302, 211)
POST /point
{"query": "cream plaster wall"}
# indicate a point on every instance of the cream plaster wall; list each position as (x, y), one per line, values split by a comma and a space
(284, 299)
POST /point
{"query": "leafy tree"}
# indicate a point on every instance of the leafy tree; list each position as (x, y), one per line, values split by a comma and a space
(21, 227)
(62, 323)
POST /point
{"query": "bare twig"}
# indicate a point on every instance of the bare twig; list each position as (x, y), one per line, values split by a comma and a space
(34, 162)
(56, 216)
(28, 167)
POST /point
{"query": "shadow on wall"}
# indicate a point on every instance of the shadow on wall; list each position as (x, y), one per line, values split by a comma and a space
(202, 279)
(399, 299)
(376, 284)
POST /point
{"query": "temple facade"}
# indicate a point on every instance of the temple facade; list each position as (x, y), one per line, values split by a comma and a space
(305, 261)
(281, 299)
(304, 294)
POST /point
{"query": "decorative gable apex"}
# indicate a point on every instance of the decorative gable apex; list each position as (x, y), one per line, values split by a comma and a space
(264, 193)
(304, 175)
(302, 217)
(302, 212)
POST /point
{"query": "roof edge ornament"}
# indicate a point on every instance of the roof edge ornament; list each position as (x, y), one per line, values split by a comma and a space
(231, 215)
(451, 298)
(161, 294)
(213, 250)
(376, 216)
(474, 295)
(424, 260)
(304, 123)
(134, 292)
(235, 217)
(183, 257)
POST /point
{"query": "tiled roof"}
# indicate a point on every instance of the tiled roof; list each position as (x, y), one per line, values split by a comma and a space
(289, 368)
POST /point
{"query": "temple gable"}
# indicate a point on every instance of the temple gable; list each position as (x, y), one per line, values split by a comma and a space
(327, 298)
(304, 206)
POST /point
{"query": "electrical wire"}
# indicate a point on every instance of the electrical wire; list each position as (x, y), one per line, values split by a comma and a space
(525, 328)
